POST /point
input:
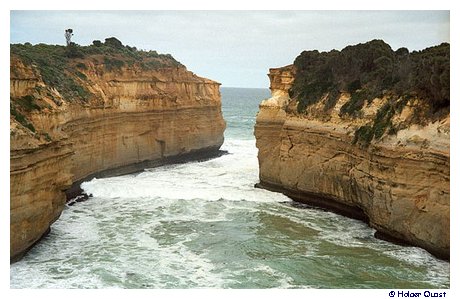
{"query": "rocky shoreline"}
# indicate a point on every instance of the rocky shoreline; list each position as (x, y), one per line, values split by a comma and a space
(317, 200)
(313, 200)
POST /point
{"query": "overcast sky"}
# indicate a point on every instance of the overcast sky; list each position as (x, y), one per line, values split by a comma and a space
(235, 48)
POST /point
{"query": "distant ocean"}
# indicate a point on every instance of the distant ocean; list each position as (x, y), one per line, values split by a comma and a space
(204, 225)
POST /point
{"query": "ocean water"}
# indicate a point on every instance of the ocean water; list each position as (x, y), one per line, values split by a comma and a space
(204, 225)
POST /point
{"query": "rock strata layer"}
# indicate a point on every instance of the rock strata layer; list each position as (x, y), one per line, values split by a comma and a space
(399, 183)
(131, 115)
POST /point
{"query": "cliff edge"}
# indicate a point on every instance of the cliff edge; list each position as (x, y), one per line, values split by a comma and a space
(364, 132)
(77, 111)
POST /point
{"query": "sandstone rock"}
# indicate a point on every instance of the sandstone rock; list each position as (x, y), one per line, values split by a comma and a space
(132, 115)
(399, 183)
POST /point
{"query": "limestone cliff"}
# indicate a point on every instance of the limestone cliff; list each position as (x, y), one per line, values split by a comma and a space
(74, 117)
(397, 179)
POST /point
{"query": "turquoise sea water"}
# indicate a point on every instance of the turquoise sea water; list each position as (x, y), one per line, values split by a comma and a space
(204, 225)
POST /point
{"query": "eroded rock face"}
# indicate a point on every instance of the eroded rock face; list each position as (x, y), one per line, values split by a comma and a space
(132, 115)
(400, 182)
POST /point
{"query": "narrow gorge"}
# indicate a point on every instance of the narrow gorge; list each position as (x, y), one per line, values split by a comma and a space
(364, 132)
(79, 112)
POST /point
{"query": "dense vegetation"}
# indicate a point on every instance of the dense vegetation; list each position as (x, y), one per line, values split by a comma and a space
(371, 70)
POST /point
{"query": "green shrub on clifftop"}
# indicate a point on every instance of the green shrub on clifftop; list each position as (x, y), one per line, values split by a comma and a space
(381, 124)
(20, 118)
(113, 64)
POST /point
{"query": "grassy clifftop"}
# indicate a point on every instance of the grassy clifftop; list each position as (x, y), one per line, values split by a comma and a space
(59, 66)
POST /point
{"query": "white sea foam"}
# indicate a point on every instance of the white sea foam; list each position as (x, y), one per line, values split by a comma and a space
(229, 177)
(283, 280)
